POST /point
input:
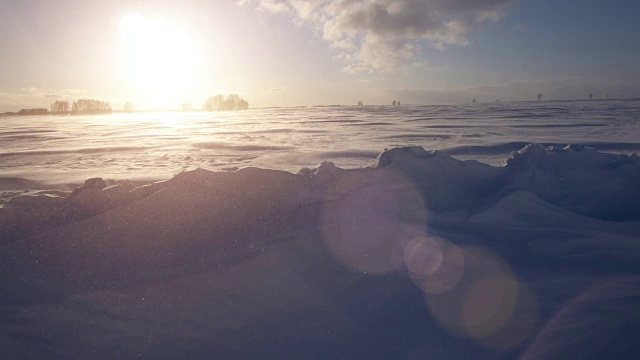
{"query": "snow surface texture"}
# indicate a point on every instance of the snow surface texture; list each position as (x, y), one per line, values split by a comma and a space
(419, 255)
(156, 146)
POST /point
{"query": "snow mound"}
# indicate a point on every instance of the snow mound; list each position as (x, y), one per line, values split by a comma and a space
(258, 262)
(577, 178)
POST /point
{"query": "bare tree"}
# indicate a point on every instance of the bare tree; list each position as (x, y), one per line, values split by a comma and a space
(213, 103)
(60, 106)
(91, 106)
(590, 96)
(128, 107)
(539, 96)
(231, 102)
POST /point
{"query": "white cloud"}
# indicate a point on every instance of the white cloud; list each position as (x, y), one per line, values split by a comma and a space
(384, 34)
(518, 27)
(355, 68)
(273, 6)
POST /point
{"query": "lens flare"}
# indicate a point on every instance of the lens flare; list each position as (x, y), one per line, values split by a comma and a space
(368, 222)
(435, 264)
(488, 304)
(423, 256)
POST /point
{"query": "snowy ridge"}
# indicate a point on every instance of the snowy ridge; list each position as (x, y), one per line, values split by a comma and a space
(325, 249)
(156, 146)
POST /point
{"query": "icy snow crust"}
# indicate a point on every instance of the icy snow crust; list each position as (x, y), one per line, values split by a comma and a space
(418, 255)
(155, 146)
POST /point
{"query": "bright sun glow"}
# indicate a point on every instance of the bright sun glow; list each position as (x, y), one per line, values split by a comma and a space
(160, 60)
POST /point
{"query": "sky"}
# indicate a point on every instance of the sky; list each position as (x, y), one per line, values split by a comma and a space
(161, 54)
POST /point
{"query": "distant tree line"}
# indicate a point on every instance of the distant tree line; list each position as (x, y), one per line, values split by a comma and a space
(231, 102)
(90, 105)
(35, 111)
(81, 106)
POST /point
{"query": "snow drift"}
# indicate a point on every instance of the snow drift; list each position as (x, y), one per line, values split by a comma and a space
(418, 255)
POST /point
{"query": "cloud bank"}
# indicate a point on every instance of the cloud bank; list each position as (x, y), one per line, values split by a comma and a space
(381, 35)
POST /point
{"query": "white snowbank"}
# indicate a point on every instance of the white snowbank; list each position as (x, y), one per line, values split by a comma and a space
(258, 261)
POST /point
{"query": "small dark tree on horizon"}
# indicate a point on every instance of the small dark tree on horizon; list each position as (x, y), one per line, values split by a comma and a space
(539, 96)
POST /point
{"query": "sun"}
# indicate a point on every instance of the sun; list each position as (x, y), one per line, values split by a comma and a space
(160, 60)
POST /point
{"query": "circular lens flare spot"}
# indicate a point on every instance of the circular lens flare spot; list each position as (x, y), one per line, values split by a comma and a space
(433, 273)
(488, 304)
(423, 256)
